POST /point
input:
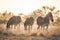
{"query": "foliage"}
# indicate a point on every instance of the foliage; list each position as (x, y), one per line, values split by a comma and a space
(57, 22)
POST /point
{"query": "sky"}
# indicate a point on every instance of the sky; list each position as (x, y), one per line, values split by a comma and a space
(26, 6)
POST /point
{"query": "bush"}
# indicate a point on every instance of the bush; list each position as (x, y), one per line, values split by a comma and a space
(57, 22)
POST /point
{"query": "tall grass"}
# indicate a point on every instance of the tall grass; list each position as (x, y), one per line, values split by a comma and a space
(57, 22)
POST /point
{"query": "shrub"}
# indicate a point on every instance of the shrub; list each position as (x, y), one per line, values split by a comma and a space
(57, 22)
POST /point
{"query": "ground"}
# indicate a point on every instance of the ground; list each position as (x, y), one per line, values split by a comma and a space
(20, 34)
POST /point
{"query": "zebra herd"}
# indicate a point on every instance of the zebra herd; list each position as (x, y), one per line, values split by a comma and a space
(41, 21)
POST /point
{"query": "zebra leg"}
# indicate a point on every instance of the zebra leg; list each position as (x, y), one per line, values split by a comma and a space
(44, 28)
(11, 26)
(38, 26)
(19, 25)
(47, 30)
(31, 27)
(15, 26)
(25, 28)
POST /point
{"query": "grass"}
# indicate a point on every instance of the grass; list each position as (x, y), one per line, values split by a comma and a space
(57, 22)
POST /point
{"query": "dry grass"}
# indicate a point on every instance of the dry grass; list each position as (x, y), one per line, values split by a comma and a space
(16, 34)
(57, 22)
